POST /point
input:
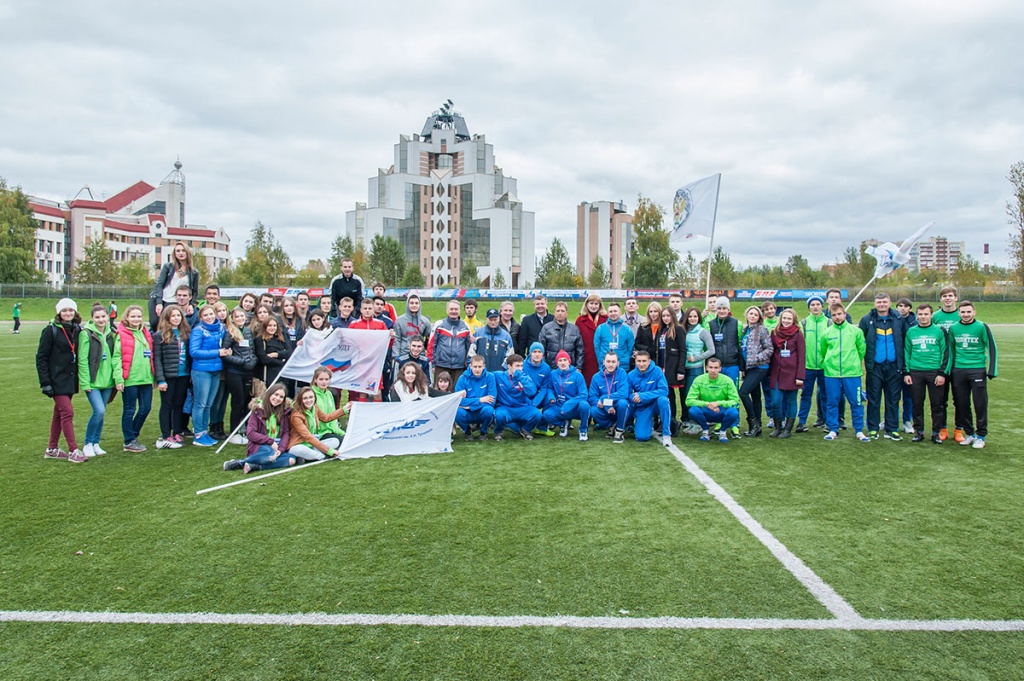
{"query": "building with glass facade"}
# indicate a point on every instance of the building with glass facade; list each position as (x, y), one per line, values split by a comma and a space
(447, 203)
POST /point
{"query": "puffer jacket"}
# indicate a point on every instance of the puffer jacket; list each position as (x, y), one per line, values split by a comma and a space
(204, 347)
(242, 359)
(555, 337)
(167, 357)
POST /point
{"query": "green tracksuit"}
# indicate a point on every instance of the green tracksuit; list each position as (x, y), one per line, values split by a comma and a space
(841, 351)
(813, 328)
(704, 391)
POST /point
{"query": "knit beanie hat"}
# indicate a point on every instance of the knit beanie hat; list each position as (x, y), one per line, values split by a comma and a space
(65, 303)
(813, 298)
(722, 301)
(536, 346)
(561, 354)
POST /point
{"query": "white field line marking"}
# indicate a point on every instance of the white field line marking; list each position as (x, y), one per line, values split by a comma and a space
(289, 469)
(825, 594)
(566, 622)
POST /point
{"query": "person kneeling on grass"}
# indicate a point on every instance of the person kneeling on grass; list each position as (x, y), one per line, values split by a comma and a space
(566, 397)
(477, 407)
(310, 436)
(266, 430)
(648, 394)
(713, 397)
(516, 391)
(609, 404)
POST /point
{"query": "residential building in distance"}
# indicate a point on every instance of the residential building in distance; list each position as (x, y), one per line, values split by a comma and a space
(447, 203)
(141, 222)
(603, 229)
(936, 253)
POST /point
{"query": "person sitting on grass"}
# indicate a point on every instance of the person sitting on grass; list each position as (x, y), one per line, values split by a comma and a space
(648, 397)
(327, 399)
(516, 391)
(841, 350)
(609, 393)
(268, 427)
(566, 397)
(713, 398)
(310, 436)
(477, 407)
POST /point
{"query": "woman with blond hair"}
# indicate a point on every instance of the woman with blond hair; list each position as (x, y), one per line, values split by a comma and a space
(591, 316)
(648, 330)
(178, 270)
(756, 350)
(137, 375)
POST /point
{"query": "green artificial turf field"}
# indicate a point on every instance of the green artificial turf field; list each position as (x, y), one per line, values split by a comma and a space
(550, 529)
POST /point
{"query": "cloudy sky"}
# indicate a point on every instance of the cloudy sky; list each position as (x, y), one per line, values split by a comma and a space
(830, 122)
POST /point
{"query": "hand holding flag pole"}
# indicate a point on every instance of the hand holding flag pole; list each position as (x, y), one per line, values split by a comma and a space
(890, 257)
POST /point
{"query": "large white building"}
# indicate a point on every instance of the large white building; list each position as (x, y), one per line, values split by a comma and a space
(447, 203)
(936, 253)
(140, 222)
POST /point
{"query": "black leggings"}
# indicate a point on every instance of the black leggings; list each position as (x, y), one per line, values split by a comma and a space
(750, 392)
(172, 401)
(238, 387)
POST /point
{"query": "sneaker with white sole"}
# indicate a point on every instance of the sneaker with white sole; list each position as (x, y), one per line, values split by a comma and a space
(979, 442)
(583, 437)
(705, 436)
(908, 427)
(134, 446)
(967, 441)
(88, 450)
(564, 432)
(666, 440)
(167, 443)
(204, 440)
(76, 456)
(238, 440)
(55, 453)
(723, 438)
(894, 436)
(619, 438)
(831, 435)
(97, 450)
(864, 438)
(233, 464)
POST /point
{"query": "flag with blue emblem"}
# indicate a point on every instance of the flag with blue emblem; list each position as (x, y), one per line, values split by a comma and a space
(354, 356)
(391, 428)
(694, 208)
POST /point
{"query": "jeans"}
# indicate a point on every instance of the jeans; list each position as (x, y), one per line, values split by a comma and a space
(219, 402)
(137, 401)
(263, 459)
(750, 392)
(732, 372)
(691, 375)
(98, 401)
(204, 389)
(783, 405)
(728, 417)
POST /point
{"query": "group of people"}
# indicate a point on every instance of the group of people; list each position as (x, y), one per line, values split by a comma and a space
(671, 370)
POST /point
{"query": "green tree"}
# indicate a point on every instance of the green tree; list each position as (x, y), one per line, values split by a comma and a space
(413, 278)
(225, 275)
(202, 266)
(800, 273)
(599, 276)
(498, 280)
(387, 260)
(312, 274)
(1015, 215)
(723, 272)
(341, 248)
(265, 263)
(653, 259)
(555, 269)
(96, 266)
(469, 275)
(360, 264)
(687, 272)
(968, 273)
(17, 237)
(134, 272)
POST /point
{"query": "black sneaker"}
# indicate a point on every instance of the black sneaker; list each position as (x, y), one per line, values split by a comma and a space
(619, 438)
(498, 437)
(894, 436)
(842, 424)
(918, 437)
(469, 435)
(482, 437)
(526, 435)
(232, 464)
(936, 438)
(610, 433)
(802, 428)
(820, 423)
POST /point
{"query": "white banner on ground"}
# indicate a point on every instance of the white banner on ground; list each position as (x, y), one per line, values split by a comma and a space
(392, 428)
(354, 356)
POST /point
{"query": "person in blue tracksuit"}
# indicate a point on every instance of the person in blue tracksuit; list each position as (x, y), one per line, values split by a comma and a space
(648, 394)
(609, 397)
(615, 336)
(537, 369)
(477, 407)
(566, 397)
(516, 391)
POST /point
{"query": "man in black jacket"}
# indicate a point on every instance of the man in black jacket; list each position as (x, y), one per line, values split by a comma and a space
(529, 329)
(346, 285)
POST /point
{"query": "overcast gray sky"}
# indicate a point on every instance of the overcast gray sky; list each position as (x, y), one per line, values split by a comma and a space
(830, 122)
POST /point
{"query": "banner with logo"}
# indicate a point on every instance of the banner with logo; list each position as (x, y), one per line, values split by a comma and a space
(354, 356)
(694, 208)
(393, 428)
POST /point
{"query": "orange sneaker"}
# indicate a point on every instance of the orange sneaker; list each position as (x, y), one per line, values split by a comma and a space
(943, 434)
(958, 435)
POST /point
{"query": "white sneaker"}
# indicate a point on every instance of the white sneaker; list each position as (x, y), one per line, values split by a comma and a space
(979, 443)
(908, 427)
(88, 450)
(968, 441)
(97, 450)
(583, 437)
(169, 443)
(564, 432)
(666, 440)
(238, 440)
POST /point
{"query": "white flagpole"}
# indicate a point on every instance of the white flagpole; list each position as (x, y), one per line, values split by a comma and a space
(854, 299)
(265, 475)
(711, 247)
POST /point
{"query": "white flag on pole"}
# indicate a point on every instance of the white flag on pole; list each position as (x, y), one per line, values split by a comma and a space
(694, 208)
(392, 428)
(890, 256)
(354, 356)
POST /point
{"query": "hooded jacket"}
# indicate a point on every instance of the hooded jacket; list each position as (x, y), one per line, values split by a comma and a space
(55, 358)
(204, 347)
(136, 355)
(167, 357)
(841, 351)
(813, 328)
(538, 373)
(99, 353)
(408, 326)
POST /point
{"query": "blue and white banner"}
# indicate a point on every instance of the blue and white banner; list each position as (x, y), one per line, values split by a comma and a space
(392, 428)
(890, 257)
(694, 208)
(354, 356)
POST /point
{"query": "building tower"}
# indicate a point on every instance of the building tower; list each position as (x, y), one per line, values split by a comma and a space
(447, 203)
(603, 229)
